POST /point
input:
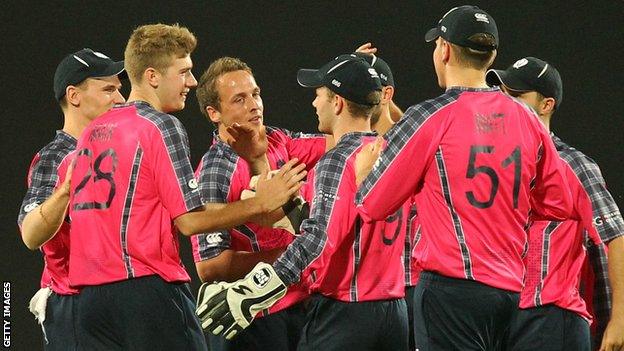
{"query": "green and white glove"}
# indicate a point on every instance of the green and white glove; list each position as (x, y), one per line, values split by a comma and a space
(227, 308)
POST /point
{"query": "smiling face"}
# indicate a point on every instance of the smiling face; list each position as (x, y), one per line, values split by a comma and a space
(175, 83)
(239, 100)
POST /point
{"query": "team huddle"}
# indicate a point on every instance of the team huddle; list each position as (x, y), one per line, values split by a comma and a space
(462, 223)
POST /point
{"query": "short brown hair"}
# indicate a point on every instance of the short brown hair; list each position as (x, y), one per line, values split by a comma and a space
(155, 45)
(473, 58)
(361, 110)
(207, 93)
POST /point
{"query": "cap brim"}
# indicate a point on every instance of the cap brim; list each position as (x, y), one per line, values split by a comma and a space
(499, 77)
(432, 34)
(309, 78)
(115, 69)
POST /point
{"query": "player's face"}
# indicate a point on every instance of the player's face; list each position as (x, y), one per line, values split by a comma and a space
(324, 110)
(240, 100)
(98, 95)
(175, 84)
(438, 62)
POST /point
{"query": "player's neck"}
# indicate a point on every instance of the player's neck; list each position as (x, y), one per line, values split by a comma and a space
(545, 119)
(74, 123)
(465, 77)
(347, 124)
(384, 123)
(141, 93)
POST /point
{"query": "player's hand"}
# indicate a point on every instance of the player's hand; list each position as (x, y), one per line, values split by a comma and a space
(272, 193)
(613, 337)
(66, 185)
(366, 158)
(367, 48)
(248, 141)
(228, 308)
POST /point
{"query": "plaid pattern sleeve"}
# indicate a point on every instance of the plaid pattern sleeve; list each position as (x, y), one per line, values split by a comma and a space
(607, 217)
(214, 176)
(42, 175)
(177, 144)
(401, 133)
(308, 246)
(609, 224)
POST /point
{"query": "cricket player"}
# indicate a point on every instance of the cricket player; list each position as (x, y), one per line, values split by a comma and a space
(482, 165)
(133, 189)
(228, 94)
(86, 84)
(354, 267)
(553, 314)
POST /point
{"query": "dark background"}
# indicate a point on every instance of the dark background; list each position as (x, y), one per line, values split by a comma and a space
(582, 39)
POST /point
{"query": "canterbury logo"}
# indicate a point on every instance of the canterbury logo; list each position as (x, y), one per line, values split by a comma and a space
(241, 289)
(261, 278)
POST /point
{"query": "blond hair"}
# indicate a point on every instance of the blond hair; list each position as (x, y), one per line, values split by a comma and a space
(207, 93)
(155, 46)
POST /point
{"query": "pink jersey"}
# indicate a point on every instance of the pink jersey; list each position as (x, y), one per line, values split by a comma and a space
(47, 172)
(338, 254)
(557, 250)
(132, 178)
(482, 163)
(413, 241)
(223, 176)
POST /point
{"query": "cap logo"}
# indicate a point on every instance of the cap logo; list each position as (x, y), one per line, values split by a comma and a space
(373, 73)
(81, 60)
(100, 55)
(336, 83)
(482, 17)
(383, 76)
(543, 71)
(443, 28)
(520, 63)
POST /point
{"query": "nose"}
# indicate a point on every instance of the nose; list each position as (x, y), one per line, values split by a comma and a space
(118, 98)
(191, 82)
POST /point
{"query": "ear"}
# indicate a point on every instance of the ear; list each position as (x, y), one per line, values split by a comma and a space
(387, 93)
(152, 77)
(446, 51)
(339, 103)
(548, 105)
(213, 114)
(72, 95)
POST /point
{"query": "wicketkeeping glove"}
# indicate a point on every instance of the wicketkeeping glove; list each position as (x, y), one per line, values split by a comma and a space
(227, 308)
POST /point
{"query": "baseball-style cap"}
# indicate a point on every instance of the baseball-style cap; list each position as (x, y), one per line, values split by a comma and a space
(348, 76)
(382, 68)
(460, 23)
(81, 65)
(529, 74)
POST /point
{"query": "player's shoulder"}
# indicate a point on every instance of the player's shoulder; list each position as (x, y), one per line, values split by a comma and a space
(336, 158)
(57, 149)
(160, 120)
(219, 156)
(582, 165)
(431, 106)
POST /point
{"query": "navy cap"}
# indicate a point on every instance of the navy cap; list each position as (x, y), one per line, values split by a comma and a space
(348, 76)
(382, 68)
(529, 74)
(460, 23)
(81, 65)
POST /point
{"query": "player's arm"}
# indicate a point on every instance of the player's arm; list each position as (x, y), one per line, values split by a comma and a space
(271, 194)
(42, 223)
(551, 198)
(613, 337)
(398, 172)
(231, 265)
